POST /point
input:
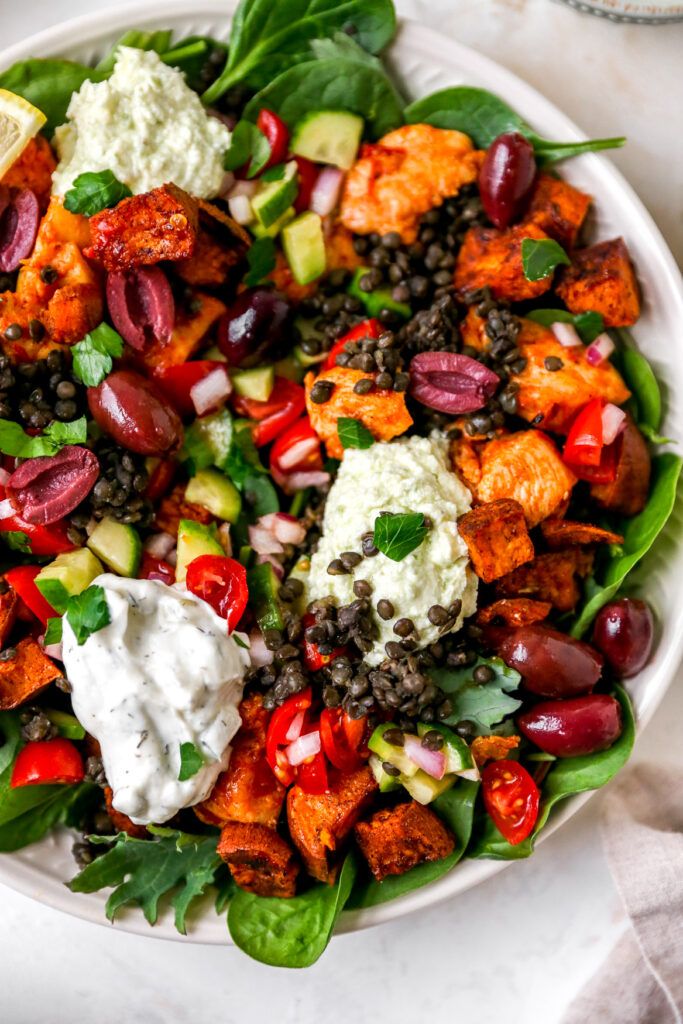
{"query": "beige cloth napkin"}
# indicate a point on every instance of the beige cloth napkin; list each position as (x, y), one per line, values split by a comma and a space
(642, 979)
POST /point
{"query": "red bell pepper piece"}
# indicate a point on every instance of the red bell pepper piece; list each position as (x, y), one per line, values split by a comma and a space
(44, 540)
(44, 762)
(286, 403)
(312, 775)
(152, 568)
(276, 735)
(277, 133)
(308, 174)
(176, 382)
(296, 450)
(222, 583)
(342, 737)
(21, 579)
(313, 659)
(367, 329)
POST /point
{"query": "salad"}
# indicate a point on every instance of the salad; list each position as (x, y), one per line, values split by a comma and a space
(326, 454)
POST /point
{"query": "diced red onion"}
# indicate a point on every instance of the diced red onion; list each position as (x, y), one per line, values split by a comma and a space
(431, 761)
(263, 541)
(243, 188)
(4, 476)
(306, 478)
(260, 655)
(613, 422)
(225, 538)
(6, 509)
(271, 560)
(473, 774)
(240, 209)
(172, 558)
(304, 747)
(229, 120)
(226, 184)
(52, 650)
(600, 350)
(211, 392)
(285, 528)
(159, 545)
(566, 334)
(326, 189)
(295, 728)
(296, 454)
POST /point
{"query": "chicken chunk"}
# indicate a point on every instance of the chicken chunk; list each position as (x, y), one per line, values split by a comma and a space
(394, 841)
(497, 538)
(601, 278)
(494, 258)
(627, 494)
(408, 172)
(551, 577)
(260, 860)
(33, 169)
(25, 675)
(514, 611)
(221, 246)
(557, 208)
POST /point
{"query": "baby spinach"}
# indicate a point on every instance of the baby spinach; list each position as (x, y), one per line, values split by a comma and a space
(353, 434)
(49, 85)
(641, 380)
(158, 41)
(456, 808)
(639, 533)
(294, 932)
(94, 191)
(540, 256)
(260, 495)
(16, 540)
(267, 38)
(247, 145)
(483, 116)
(484, 705)
(397, 535)
(588, 325)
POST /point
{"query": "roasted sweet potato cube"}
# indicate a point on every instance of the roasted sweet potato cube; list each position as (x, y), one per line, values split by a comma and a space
(557, 208)
(8, 613)
(260, 860)
(394, 841)
(191, 327)
(157, 225)
(551, 577)
(514, 611)
(121, 821)
(173, 507)
(33, 169)
(26, 674)
(627, 494)
(492, 748)
(497, 538)
(602, 278)
(494, 258)
(563, 533)
(319, 824)
(221, 246)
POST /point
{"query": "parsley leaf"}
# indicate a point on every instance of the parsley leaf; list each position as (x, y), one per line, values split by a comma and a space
(249, 145)
(95, 191)
(93, 356)
(87, 612)
(261, 260)
(485, 705)
(16, 540)
(16, 442)
(353, 433)
(397, 534)
(53, 631)
(588, 325)
(191, 761)
(275, 173)
(242, 460)
(540, 256)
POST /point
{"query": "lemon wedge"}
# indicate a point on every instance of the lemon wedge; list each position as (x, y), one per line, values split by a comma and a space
(19, 122)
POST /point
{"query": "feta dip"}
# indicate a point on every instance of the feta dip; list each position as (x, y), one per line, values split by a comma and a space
(163, 672)
(145, 125)
(406, 476)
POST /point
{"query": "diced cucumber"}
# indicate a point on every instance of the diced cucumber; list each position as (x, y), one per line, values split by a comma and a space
(387, 783)
(67, 725)
(424, 788)
(118, 545)
(275, 197)
(263, 597)
(215, 355)
(459, 760)
(328, 137)
(258, 231)
(304, 246)
(391, 753)
(213, 491)
(377, 300)
(194, 539)
(290, 368)
(69, 574)
(256, 383)
(208, 440)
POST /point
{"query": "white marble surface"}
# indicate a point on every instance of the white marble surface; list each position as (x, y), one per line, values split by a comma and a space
(519, 947)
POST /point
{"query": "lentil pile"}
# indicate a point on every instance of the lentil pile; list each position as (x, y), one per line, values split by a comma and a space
(119, 491)
(38, 393)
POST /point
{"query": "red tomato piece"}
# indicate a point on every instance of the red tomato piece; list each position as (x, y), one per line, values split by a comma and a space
(277, 133)
(222, 583)
(584, 443)
(606, 470)
(313, 659)
(341, 737)
(296, 450)
(276, 735)
(176, 382)
(308, 174)
(44, 540)
(46, 762)
(152, 568)
(21, 578)
(511, 798)
(286, 404)
(367, 329)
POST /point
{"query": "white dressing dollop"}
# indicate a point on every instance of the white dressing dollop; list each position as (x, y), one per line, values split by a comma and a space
(163, 672)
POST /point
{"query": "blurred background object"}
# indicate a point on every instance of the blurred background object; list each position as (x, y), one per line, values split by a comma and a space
(631, 10)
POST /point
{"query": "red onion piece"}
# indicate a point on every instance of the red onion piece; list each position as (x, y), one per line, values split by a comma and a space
(566, 334)
(225, 539)
(210, 393)
(293, 482)
(600, 350)
(295, 455)
(431, 761)
(4, 476)
(46, 489)
(52, 650)
(260, 655)
(6, 508)
(141, 305)
(271, 560)
(160, 545)
(325, 194)
(613, 422)
(243, 188)
(285, 528)
(19, 219)
(263, 541)
(451, 383)
(295, 728)
(304, 747)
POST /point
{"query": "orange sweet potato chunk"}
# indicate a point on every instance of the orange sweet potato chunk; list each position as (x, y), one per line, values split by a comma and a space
(602, 278)
(551, 577)
(494, 258)
(33, 169)
(497, 538)
(190, 330)
(26, 674)
(562, 533)
(260, 860)
(8, 613)
(121, 821)
(514, 611)
(492, 748)
(221, 246)
(557, 208)
(396, 840)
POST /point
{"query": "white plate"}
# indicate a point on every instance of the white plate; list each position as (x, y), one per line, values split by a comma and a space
(422, 61)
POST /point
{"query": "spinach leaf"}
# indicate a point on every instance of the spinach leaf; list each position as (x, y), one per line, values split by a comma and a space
(294, 932)
(16, 540)
(260, 495)
(337, 83)
(456, 808)
(144, 870)
(639, 533)
(353, 434)
(261, 260)
(482, 704)
(191, 761)
(93, 357)
(49, 84)
(642, 383)
(248, 145)
(94, 191)
(16, 442)
(588, 325)
(267, 38)
(540, 256)
(87, 612)
(158, 41)
(396, 535)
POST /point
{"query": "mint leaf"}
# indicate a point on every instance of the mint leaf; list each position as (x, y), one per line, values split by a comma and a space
(261, 260)
(540, 256)
(16, 442)
(482, 704)
(191, 761)
(53, 631)
(353, 433)
(249, 145)
(16, 540)
(588, 325)
(87, 613)
(94, 191)
(93, 356)
(396, 535)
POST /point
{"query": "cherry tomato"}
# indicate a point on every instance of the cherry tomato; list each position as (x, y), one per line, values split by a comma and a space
(308, 173)
(47, 762)
(313, 659)
(571, 728)
(21, 579)
(507, 177)
(312, 775)
(277, 133)
(296, 450)
(341, 737)
(511, 798)
(624, 631)
(222, 583)
(43, 540)
(606, 470)
(367, 329)
(584, 443)
(286, 403)
(276, 735)
(152, 568)
(176, 382)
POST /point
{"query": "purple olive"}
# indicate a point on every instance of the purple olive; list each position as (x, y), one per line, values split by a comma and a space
(141, 305)
(550, 663)
(46, 489)
(624, 631)
(19, 219)
(506, 178)
(253, 329)
(133, 411)
(570, 728)
(451, 383)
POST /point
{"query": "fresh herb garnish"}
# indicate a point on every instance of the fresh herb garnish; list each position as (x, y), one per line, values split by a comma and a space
(191, 761)
(93, 356)
(16, 540)
(275, 173)
(260, 495)
(540, 256)
(588, 325)
(261, 260)
(243, 460)
(396, 535)
(353, 434)
(94, 191)
(87, 613)
(248, 145)
(16, 442)
(53, 631)
(239, 641)
(484, 705)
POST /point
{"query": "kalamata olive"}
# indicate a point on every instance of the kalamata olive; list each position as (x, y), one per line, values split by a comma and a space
(624, 631)
(19, 217)
(46, 489)
(133, 411)
(569, 728)
(506, 178)
(253, 329)
(550, 663)
(141, 305)
(451, 383)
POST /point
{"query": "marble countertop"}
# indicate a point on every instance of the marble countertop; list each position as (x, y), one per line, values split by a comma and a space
(520, 946)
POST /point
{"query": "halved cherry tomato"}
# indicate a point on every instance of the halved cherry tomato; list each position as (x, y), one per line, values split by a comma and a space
(176, 382)
(308, 174)
(367, 329)
(511, 798)
(43, 540)
(584, 443)
(312, 775)
(21, 578)
(286, 403)
(43, 762)
(161, 473)
(152, 568)
(222, 583)
(342, 737)
(605, 472)
(277, 133)
(296, 450)
(276, 735)
(313, 659)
